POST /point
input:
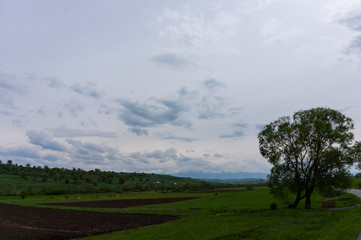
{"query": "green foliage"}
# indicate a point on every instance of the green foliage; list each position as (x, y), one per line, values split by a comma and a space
(45, 177)
(121, 179)
(24, 194)
(273, 206)
(46, 180)
(312, 150)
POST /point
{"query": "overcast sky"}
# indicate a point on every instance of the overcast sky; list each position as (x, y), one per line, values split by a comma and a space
(168, 86)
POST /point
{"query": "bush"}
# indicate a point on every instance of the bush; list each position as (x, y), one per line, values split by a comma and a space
(273, 206)
(249, 187)
(24, 194)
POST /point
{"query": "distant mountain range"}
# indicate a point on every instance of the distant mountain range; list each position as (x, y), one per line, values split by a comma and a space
(223, 175)
(240, 181)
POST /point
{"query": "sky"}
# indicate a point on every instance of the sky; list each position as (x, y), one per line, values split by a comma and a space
(169, 86)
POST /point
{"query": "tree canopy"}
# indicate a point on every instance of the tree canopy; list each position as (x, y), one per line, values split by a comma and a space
(313, 149)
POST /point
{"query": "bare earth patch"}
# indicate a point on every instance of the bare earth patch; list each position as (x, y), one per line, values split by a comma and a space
(120, 203)
(31, 223)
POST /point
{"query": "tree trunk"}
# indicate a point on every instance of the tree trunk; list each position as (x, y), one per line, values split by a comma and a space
(308, 197)
(296, 202)
(308, 202)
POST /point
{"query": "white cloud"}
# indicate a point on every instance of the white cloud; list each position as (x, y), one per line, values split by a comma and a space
(275, 30)
(204, 32)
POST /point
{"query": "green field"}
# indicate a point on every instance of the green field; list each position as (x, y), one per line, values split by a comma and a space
(236, 215)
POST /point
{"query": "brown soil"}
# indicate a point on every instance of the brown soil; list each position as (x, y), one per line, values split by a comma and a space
(120, 203)
(31, 223)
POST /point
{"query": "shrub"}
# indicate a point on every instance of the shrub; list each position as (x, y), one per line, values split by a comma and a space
(273, 206)
(24, 194)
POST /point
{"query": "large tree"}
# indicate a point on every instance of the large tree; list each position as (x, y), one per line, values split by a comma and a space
(313, 149)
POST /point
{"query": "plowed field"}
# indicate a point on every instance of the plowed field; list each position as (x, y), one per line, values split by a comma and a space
(31, 223)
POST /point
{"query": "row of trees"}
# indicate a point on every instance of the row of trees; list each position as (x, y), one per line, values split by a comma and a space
(66, 175)
(313, 149)
(52, 181)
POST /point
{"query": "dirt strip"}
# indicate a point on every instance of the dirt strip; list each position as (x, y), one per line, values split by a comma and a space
(120, 203)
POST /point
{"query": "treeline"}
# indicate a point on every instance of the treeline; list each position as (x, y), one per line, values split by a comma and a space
(38, 180)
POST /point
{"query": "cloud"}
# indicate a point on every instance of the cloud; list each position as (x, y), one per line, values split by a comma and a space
(260, 127)
(91, 153)
(238, 131)
(206, 100)
(274, 30)
(170, 153)
(105, 109)
(166, 136)
(11, 83)
(74, 106)
(87, 90)
(235, 134)
(52, 157)
(6, 113)
(19, 123)
(213, 83)
(217, 155)
(157, 113)
(159, 158)
(22, 152)
(138, 131)
(45, 141)
(353, 23)
(235, 110)
(86, 147)
(212, 103)
(72, 133)
(170, 60)
(182, 139)
(54, 82)
(200, 32)
(355, 46)
(348, 14)
(10, 87)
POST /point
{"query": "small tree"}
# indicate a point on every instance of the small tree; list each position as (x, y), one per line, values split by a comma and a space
(45, 177)
(24, 194)
(314, 149)
(23, 175)
(121, 179)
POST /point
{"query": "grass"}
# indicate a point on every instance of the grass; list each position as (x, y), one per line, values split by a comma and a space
(356, 183)
(246, 215)
(227, 216)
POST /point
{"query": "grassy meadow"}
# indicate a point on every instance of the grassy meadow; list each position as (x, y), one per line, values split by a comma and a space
(233, 215)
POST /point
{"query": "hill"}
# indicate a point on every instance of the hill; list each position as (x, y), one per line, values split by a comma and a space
(38, 180)
(255, 181)
(223, 175)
